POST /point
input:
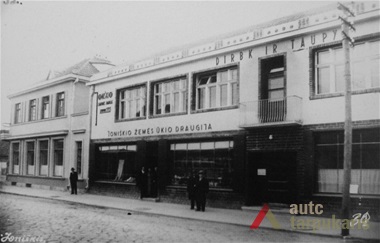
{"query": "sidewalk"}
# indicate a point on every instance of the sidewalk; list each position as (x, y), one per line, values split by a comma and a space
(236, 217)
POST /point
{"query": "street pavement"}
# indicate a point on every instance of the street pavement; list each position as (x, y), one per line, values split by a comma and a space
(215, 215)
(60, 221)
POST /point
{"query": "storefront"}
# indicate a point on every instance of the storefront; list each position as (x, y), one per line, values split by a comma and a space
(256, 111)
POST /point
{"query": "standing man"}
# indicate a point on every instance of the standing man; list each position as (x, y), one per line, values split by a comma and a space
(142, 182)
(201, 189)
(191, 189)
(73, 181)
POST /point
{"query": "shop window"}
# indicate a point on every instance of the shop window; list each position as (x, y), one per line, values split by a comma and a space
(43, 157)
(365, 170)
(58, 157)
(30, 159)
(79, 156)
(116, 163)
(32, 110)
(131, 103)
(216, 89)
(329, 68)
(45, 107)
(16, 158)
(17, 113)
(170, 96)
(60, 108)
(215, 158)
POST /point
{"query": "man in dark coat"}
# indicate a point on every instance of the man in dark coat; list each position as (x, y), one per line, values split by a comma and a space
(142, 182)
(201, 189)
(191, 190)
(73, 181)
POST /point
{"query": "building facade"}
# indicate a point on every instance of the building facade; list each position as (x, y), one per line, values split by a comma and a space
(49, 129)
(261, 112)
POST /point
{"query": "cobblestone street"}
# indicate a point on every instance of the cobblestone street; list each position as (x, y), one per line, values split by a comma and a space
(56, 221)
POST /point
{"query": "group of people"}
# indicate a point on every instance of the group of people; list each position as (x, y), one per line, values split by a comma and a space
(147, 182)
(197, 189)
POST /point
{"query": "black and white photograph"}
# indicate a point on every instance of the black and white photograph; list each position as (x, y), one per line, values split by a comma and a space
(190, 121)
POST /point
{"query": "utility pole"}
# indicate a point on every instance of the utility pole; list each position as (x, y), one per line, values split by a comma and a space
(346, 41)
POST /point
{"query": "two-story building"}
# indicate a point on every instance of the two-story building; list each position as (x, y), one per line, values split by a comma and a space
(261, 112)
(49, 128)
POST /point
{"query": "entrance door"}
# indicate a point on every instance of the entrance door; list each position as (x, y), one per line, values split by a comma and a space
(151, 168)
(272, 178)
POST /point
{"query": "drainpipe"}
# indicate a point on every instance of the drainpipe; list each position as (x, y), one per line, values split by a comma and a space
(92, 91)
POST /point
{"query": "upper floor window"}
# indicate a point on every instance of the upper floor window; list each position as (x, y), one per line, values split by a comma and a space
(170, 96)
(32, 110)
(217, 89)
(329, 68)
(18, 113)
(131, 102)
(60, 111)
(45, 107)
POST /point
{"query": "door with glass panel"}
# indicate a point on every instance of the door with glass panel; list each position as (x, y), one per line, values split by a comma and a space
(272, 104)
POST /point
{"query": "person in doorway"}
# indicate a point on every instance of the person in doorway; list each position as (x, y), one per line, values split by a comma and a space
(191, 189)
(201, 189)
(73, 181)
(142, 182)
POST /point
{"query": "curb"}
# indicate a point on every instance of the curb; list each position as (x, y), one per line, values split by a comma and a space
(188, 218)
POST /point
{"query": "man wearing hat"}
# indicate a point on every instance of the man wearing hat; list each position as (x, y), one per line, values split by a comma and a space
(73, 181)
(201, 189)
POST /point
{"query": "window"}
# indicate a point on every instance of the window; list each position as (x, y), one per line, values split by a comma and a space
(79, 157)
(45, 107)
(329, 68)
(32, 110)
(214, 157)
(16, 157)
(30, 160)
(43, 156)
(18, 113)
(217, 89)
(58, 157)
(132, 103)
(170, 97)
(116, 163)
(365, 170)
(60, 110)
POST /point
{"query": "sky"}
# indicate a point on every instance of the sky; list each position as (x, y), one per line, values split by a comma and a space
(38, 36)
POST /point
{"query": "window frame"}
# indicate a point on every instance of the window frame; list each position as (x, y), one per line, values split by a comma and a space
(183, 96)
(32, 110)
(202, 160)
(60, 111)
(231, 85)
(34, 160)
(12, 158)
(54, 158)
(313, 84)
(79, 166)
(338, 145)
(17, 115)
(47, 156)
(119, 101)
(45, 106)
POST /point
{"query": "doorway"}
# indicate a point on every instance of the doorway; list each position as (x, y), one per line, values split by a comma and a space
(271, 177)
